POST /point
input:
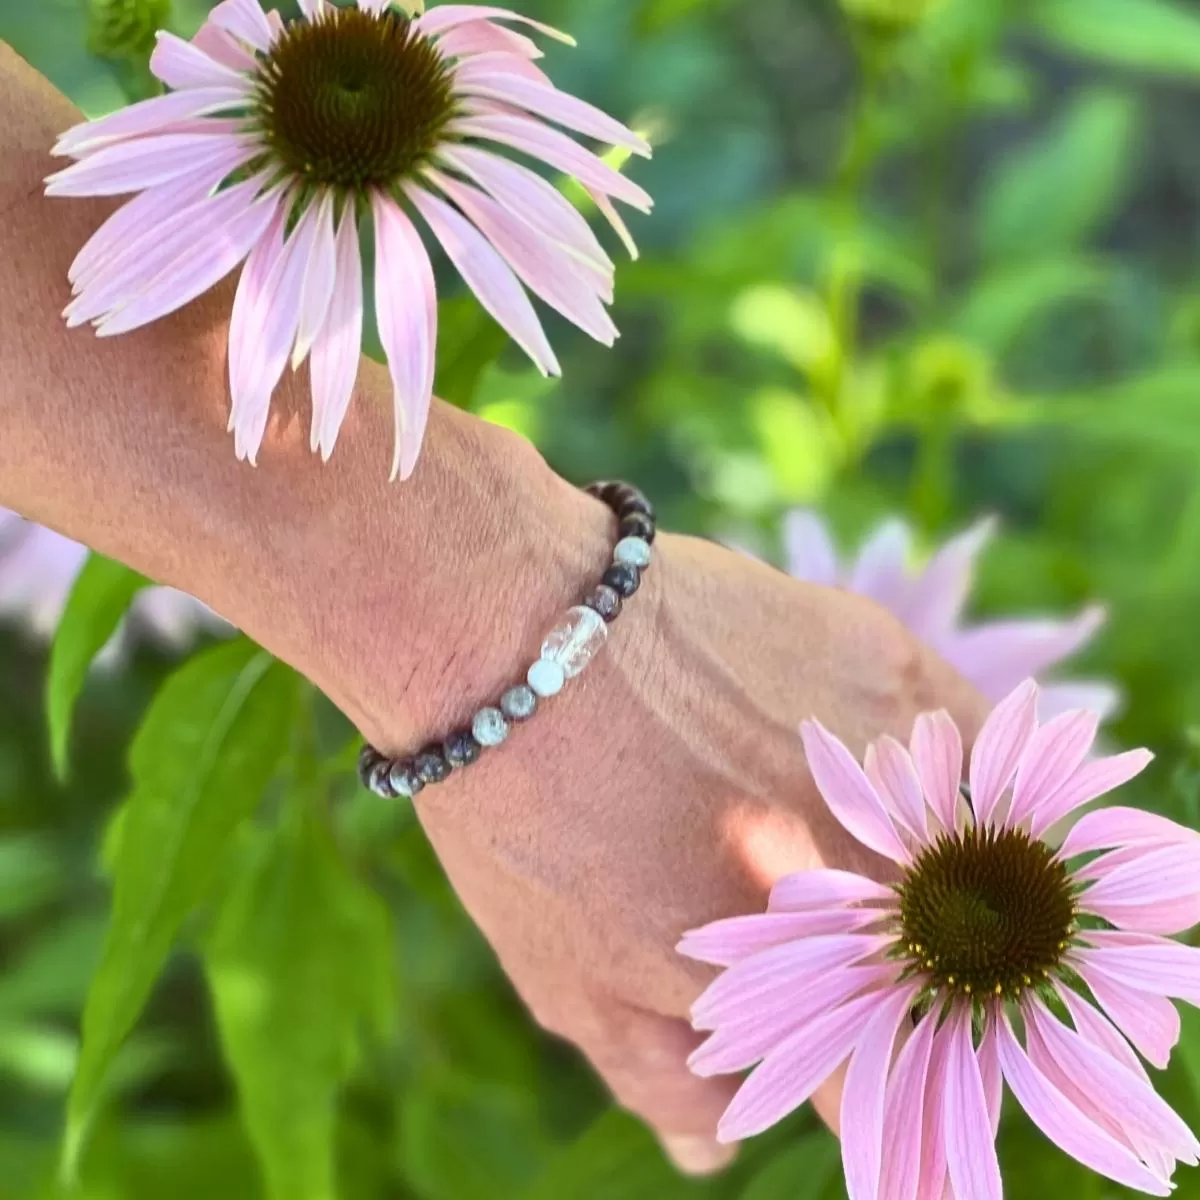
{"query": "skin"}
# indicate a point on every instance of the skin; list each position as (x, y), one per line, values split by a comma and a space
(665, 788)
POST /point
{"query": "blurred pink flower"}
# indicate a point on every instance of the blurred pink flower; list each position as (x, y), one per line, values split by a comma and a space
(278, 138)
(38, 568)
(994, 655)
(985, 922)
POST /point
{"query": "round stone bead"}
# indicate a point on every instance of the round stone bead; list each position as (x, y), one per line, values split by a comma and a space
(546, 677)
(404, 778)
(634, 552)
(614, 492)
(623, 578)
(368, 759)
(430, 765)
(573, 642)
(489, 727)
(605, 601)
(519, 703)
(636, 503)
(379, 782)
(637, 525)
(461, 749)
(597, 489)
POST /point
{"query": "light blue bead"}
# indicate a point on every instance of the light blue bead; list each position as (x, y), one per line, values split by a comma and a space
(546, 677)
(633, 552)
(489, 727)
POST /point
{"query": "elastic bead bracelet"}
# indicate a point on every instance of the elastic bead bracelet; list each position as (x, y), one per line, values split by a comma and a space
(566, 651)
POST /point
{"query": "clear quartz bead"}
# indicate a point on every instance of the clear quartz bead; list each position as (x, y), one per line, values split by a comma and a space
(573, 642)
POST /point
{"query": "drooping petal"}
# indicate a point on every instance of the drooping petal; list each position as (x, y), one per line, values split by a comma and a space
(1089, 781)
(990, 1073)
(1163, 916)
(881, 569)
(1124, 826)
(482, 37)
(1155, 875)
(448, 16)
(1159, 966)
(1097, 1029)
(246, 21)
(970, 1146)
(609, 212)
(824, 887)
(1053, 753)
(1149, 1021)
(932, 1184)
(848, 793)
(795, 1069)
(904, 1110)
(999, 747)
(500, 62)
(937, 597)
(732, 939)
(406, 304)
(246, 318)
(224, 48)
(180, 64)
(864, 1092)
(811, 554)
(316, 291)
(335, 353)
(1065, 1125)
(937, 754)
(892, 774)
(488, 276)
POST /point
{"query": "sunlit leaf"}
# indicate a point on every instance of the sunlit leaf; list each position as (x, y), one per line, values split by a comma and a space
(1162, 36)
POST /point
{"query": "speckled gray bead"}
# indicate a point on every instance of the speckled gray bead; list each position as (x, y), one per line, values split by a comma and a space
(633, 552)
(546, 677)
(378, 782)
(430, 765)
(489, 727)
(519, 703)
(404, 778)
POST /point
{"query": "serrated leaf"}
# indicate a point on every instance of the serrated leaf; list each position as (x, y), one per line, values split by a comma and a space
(200, 762)
(1055, 191)
(299, 958)
(1150, 35)
(99, 599)
(803, 1169)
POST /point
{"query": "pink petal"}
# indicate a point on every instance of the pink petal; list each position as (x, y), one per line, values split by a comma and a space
(406, 305)
(608, 211)
(1103, 699)
(335, 353)
(1053, 753)
(1095, 1028)
(990, 1073)
(1150, 1022)
(531, 198)
(1165, 916)
(864, 1092)
(811, 554)
(740, 1041)
(246, 21)
(932, 1183)
(881, 570)
(449, 16)
(222, 48)
(756, 979)
(488, 276)
(1065, 1125)
(970, 1146)
(725, 942)
(482, 37)
(1123, 826)
(937, 754)
(556, 150)
(894, 778)
(848, 793)
(937, 597)
(312, 9)
(795, 1069)
(317, 289)
(1156, 875)
(1164, 967)
(246, 317)
(551, 104)
(181, 64)
(147, 117)
(999, 748)
(216, 247)
(903, 1112)
(1093, 779)
(542, 268)
(487, 65)
(824, 887)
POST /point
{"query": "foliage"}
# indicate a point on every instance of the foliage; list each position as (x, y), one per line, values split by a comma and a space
(931, 258)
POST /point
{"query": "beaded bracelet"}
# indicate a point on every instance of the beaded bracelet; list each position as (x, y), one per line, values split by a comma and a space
(568, 648)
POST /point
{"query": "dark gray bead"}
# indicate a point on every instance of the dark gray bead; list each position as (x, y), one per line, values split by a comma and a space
(623, 579)
(404, 778)
(461, 749)
(519, 703)
(637, 525)
(637, 503)
(379, 781)
(430, 765)
(605, 600)
(368, 759)
(597, 489)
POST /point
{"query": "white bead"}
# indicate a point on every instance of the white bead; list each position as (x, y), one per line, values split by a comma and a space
(546, 677)
(489, 727)
(633, 552)
(573, 642)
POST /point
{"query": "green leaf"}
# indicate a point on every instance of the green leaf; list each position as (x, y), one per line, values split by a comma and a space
(300, 954)
(1054, 192)
(99, 599)
(468, 341)
(803, 1169)
(1151, 35)
(201, 761)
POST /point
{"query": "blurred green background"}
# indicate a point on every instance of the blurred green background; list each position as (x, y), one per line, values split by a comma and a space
(934, 259)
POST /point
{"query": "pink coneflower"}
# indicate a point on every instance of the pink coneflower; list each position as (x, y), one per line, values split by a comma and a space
(918, 983)
(278, 139)
(994, 655)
